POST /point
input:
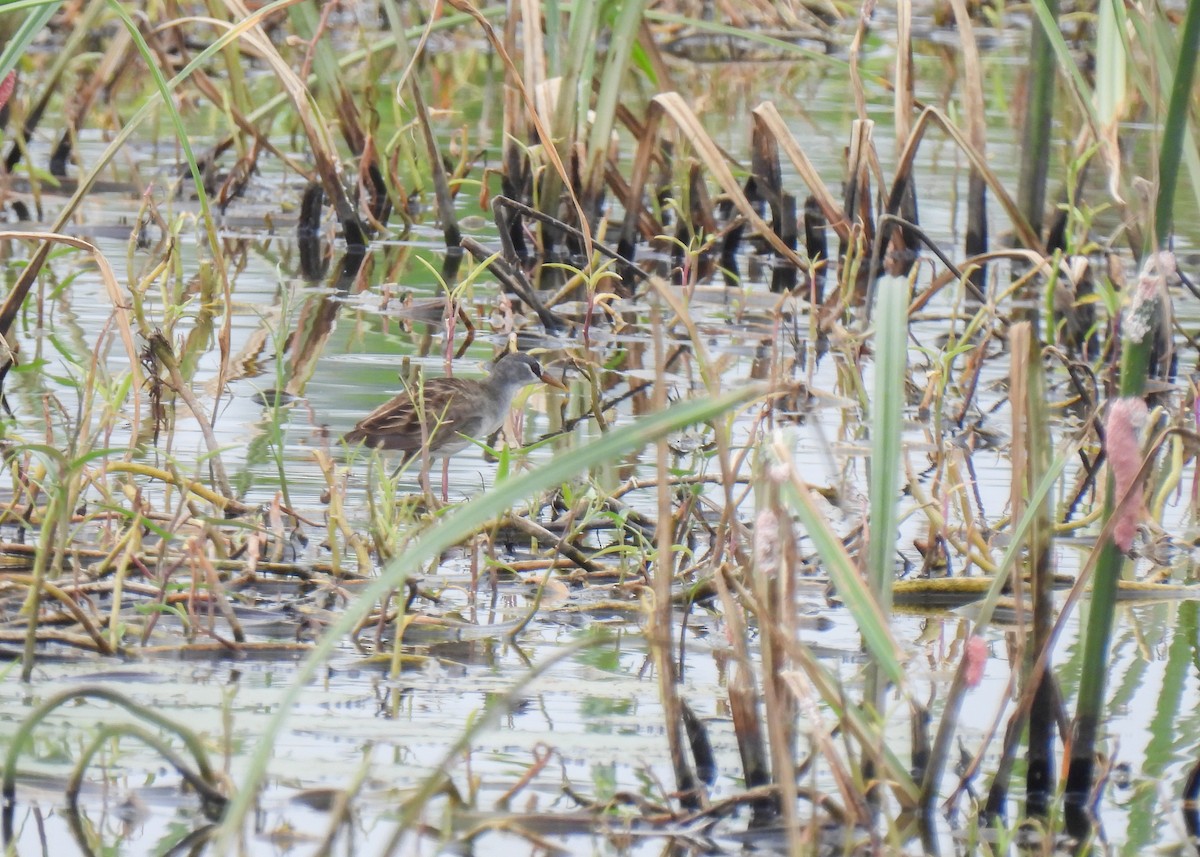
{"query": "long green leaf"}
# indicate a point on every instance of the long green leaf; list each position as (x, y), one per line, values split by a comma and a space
(1046, 15)
(30, 27)
(887, 415)
(851, 588)
(891, 365)
(624, 37)
(1178, 111)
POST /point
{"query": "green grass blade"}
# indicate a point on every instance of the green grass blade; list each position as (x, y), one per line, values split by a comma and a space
(1178, 109)
(887, 419)
(851, 588)
(1047, 16)
(624, 37)
(26, 32)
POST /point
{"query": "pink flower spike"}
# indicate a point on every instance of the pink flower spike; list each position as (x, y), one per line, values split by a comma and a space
(6, 88)
(1124, 423)
(975, 660)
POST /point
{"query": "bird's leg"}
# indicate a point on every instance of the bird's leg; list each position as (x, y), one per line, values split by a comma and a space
(426, 465)
(423, 480)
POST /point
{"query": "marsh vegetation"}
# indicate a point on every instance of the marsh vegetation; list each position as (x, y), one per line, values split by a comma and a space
(863, 522)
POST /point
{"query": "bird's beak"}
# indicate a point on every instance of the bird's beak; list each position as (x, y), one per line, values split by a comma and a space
(547, 378)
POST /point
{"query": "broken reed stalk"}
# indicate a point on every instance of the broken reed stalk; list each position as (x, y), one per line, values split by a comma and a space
(903, 101)
(874, 627)
(559, 95)
(745, 706)
(1025, 235)
(673, 106)
(948, 725)
(437, 174)
(616, 66)
(772, 121)
(513, 76)
(658, 631)
(773, 589)
(1043, 723)
(767, 182)
(316, 128)
(976, 241)
(1039, 115)
(1031, 461)
(1173, 136)
(65, 56)
(903, 199)
(858, 206)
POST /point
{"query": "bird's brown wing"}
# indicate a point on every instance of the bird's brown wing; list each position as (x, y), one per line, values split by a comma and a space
(396, 424)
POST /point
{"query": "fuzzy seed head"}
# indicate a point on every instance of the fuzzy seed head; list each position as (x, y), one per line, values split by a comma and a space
(766, 542)
(1147, 297)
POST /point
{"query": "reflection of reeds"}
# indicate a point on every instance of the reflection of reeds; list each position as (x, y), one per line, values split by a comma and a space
(203, 778)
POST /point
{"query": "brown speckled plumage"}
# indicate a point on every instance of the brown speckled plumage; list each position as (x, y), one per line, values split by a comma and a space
(450, 409)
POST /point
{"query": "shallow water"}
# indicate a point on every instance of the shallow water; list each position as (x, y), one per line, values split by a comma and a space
(598, 708)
